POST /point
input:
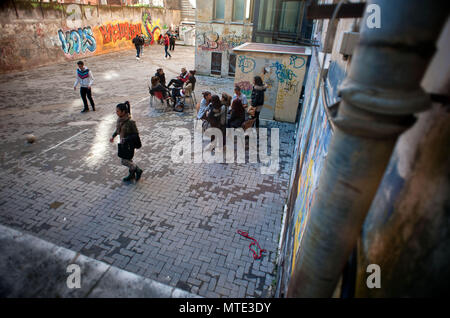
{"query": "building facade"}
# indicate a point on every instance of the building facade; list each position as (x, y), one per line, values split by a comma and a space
(221, 25)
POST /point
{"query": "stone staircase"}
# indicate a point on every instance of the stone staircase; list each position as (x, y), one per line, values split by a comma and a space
(187, 11)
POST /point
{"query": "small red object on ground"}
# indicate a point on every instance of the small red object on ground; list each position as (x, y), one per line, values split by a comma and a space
(255, 242)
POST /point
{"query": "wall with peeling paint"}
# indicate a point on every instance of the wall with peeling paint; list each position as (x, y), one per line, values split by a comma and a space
(219, 37)
(37, 34)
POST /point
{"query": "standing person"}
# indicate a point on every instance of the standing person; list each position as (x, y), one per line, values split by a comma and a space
(137, 43)
(161, 76)
(166, 46)
(239, 95)
(85, 79)
(172, 42)
(128, 132)
(142, 41)
(258, 97)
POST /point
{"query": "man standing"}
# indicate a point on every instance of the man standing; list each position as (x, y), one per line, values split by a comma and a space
(172, 42)
(85, 79)
(141, 37)
(137, 44)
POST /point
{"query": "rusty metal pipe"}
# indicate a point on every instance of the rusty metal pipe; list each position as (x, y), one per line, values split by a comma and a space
(379, 97)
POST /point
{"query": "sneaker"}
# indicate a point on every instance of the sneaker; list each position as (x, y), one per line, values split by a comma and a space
(84, 110)
(93, 108)
(138, 173)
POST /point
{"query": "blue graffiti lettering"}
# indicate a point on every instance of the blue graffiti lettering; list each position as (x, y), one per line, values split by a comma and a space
(283, 73)
(295, 61)
(246, 64)
(77, 41)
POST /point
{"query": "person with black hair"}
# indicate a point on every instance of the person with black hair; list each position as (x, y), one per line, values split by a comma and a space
(129, 140)
(85, 79)
(161, 76)
(189, 85)
(258, 97)
(137, 44)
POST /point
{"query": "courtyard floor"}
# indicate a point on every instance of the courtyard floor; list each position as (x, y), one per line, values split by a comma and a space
(178, 225)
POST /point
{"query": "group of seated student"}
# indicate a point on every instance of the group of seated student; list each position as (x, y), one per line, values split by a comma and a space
(225, 112)
(184, 84)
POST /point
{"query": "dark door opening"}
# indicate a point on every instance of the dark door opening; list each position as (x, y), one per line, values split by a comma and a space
(232, 65)
(216, 63)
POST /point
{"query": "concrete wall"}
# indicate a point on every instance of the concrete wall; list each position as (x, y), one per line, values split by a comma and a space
(37, 34)
(221, 37)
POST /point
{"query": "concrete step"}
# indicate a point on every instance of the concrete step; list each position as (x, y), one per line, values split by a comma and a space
(31, 267)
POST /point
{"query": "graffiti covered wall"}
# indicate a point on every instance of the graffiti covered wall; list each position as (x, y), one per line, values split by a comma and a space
(37, 34)
(215, 38)
(313, 138)
(282, 73)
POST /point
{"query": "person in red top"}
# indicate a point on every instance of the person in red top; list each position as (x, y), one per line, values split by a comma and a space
(166, 45)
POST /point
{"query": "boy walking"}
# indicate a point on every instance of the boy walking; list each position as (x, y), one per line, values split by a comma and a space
(166, 45)
(85, 79)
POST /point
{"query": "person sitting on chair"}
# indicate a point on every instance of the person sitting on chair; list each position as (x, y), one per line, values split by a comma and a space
(181, 79)
(237, 114)
(158, 89)
(189, 86)
(161, 76)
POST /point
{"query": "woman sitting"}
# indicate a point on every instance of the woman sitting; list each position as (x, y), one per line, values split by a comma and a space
(237, 114)
(158, 89)
(189, 86)
(161, 76)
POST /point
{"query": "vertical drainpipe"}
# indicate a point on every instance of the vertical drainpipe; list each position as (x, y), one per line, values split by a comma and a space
(379, 97)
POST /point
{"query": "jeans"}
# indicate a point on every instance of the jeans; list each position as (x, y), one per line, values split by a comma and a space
(86, 92)
(166, 49)
(138, 50)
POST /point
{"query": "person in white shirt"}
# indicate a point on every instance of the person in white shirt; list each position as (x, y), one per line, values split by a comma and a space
(204, 105)
(242, 97)
(85, 79)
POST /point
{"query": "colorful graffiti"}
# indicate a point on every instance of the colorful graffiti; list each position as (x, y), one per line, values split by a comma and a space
(212, 41)
(246, 64)
(152, 30)
(77, 41)
(118, 31)
(246, 88)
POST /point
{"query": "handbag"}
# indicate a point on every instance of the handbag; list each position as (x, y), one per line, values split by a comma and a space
(125, 151)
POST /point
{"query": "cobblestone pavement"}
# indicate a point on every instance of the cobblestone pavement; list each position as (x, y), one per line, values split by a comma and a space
(178, 225)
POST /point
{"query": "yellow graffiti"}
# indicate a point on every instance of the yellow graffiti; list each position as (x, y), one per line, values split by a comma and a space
(299, 226)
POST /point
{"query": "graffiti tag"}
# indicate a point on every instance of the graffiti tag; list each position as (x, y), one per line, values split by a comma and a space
(283, 73)
(297, 61)
(77, 41)
(246, 64)
(119, 31)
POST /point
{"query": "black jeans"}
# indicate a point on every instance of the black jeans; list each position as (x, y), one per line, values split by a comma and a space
(86, 92)
(138, 50)
(172, 46)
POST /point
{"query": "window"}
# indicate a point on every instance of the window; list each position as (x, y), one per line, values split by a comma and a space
(219, 9)
(282, 22)
(242, 10)
(290, 16)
